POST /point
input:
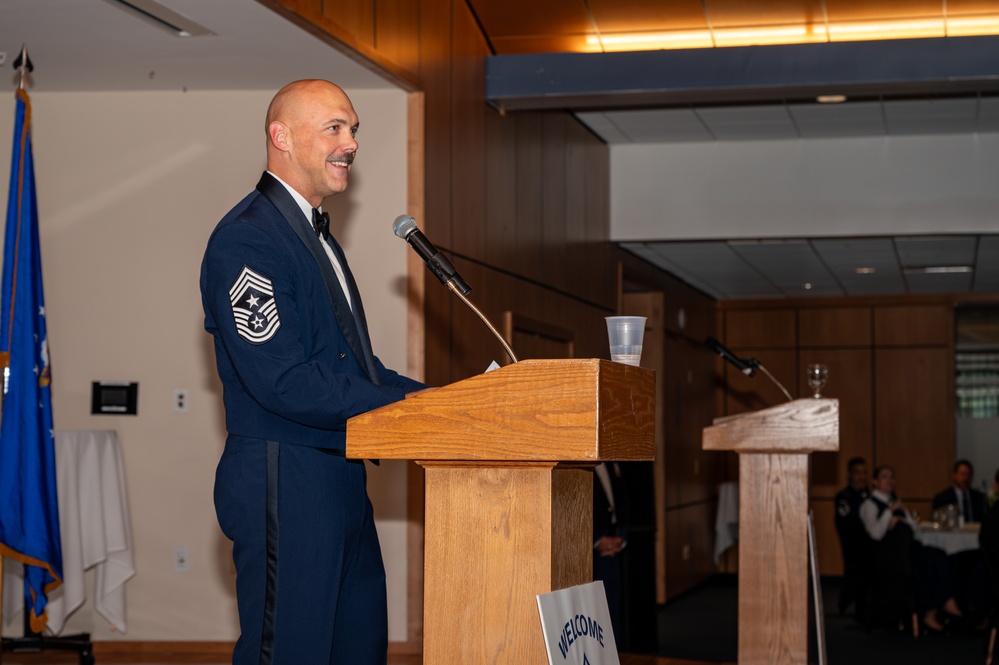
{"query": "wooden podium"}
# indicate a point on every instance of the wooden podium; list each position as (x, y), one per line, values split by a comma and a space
(773, 446)
(509, 491)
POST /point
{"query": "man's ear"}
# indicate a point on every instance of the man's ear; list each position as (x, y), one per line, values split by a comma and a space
(279, 135)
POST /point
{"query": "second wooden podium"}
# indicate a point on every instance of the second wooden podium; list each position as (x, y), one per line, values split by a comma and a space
(509, 491)
(773, 446)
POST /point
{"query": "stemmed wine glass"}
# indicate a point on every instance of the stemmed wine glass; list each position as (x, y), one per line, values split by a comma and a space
(817, 377)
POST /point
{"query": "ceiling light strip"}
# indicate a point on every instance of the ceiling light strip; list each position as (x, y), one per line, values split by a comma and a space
(798, 34)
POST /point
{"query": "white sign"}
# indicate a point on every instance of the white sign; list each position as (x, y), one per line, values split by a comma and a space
(577, 626)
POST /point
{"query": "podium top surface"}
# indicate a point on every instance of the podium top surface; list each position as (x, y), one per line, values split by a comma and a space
(802, 426)
(575, 410)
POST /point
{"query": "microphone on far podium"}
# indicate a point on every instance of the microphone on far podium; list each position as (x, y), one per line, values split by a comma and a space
(747, 367)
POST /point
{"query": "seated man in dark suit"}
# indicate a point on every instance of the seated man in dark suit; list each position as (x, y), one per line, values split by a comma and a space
(969, 566)
(852, 537)
(970, 502)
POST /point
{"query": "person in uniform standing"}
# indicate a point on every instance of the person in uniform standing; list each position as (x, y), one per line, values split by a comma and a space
(295, 359)
(853, 538)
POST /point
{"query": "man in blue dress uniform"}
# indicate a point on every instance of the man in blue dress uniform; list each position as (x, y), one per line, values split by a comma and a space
(295, 359)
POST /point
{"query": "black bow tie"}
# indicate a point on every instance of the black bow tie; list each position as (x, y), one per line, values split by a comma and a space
(321, 222)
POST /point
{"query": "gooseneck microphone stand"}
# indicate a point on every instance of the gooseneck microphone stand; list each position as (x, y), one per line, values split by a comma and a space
(441, 267)
(461, 296)
(747, 366)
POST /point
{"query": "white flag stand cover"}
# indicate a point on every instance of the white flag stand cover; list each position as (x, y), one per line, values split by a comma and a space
(577, 626)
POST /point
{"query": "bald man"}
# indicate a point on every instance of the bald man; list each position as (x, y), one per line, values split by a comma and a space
(295, 360)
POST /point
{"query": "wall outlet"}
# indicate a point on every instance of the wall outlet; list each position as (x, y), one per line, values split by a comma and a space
(180, 400)
(182, 560)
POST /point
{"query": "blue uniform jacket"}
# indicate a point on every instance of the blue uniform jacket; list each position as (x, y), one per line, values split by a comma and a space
(295, 362)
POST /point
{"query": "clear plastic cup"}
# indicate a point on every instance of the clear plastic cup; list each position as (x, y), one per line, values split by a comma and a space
(625, 334)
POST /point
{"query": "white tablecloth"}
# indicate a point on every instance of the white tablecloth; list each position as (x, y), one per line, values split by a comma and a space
(726, 519)
(95, 529)
(950, 542)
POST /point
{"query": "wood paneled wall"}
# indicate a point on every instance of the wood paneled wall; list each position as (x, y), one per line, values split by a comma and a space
(890, 365)
(686, 476)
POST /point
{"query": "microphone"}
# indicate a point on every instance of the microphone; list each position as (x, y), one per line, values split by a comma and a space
(405, 227)
(747, 367)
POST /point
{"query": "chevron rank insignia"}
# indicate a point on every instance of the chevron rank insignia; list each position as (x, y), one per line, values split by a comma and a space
(254, 307)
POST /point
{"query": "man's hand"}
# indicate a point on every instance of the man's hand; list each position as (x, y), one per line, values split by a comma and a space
(609, 545)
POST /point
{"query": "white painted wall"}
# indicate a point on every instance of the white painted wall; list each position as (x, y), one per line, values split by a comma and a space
(805, 188)
(130, 185)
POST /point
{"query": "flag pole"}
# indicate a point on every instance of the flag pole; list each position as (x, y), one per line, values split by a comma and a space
(23, 66)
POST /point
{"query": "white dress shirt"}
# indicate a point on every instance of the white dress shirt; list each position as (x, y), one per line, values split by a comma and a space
(875, 526)
(307, 211)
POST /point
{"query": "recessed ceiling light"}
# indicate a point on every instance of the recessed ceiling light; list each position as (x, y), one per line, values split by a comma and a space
(830, 99)
(866, 270)
(807, 286)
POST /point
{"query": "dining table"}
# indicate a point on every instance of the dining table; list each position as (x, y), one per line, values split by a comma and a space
(951, 540)
(95, 530)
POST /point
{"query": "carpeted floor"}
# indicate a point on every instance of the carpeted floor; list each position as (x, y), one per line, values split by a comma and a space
(703, 625)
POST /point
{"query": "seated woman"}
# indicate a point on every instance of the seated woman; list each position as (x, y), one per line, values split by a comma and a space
(904, 577)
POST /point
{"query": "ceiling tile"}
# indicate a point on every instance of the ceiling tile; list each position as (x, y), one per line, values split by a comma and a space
(925, 251)
(931, 116)
(939, 283)
(966, 7)
(744, 115)
(864, 10)
(525, 18)
(647, 15)
(646, 252)
(753, 132)
(604, 126)
(739, 13)
(778, 268)
(793, 266)
(715, 264)
(845, 256)
(850, 119)
(748, 122)
(657, 126)
(988, 114)
(988, 107)
(987, 264)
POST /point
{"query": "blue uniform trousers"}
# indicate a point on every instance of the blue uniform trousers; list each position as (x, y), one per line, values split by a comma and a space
(310, 583)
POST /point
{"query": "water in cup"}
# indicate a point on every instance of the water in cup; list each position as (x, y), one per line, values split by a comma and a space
(625, 334)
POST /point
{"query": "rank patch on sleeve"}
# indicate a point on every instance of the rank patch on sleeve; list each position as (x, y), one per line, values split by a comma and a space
(254, 307)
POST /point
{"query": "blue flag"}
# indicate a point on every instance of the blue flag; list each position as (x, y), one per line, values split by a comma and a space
(29, 509)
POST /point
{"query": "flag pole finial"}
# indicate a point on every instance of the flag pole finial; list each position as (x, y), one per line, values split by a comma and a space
(23, 66)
